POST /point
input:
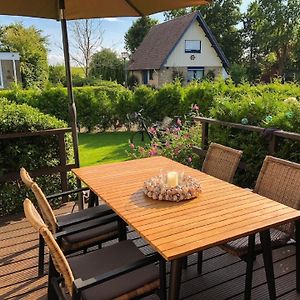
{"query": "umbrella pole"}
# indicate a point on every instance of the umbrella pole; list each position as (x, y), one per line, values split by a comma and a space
(72, 106)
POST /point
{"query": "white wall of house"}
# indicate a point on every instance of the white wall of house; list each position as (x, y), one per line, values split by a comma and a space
(9, 69)
(207, 58)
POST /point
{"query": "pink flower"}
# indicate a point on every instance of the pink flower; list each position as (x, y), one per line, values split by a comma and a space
(196, 107)
(189, 159)
(141, 149)
(167, 145)
(132, 146)
(178, 121)
(153, 152)
(152, 130)
(176, 150)
(177, 129)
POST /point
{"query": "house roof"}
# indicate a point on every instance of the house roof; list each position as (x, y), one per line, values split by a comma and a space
(162, 39)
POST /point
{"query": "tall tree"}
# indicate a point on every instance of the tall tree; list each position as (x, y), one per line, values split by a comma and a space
(136, 33)
(274, 30)
(106, 65)
(31, 46)
(87, 37)
(222, 17)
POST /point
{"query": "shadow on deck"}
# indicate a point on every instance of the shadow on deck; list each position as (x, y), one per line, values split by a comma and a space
(222, 278)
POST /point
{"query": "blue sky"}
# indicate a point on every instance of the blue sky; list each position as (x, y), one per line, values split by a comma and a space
(113, 37)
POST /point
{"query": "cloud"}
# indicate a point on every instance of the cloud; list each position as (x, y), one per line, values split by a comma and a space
(55, 59)
(112, 19)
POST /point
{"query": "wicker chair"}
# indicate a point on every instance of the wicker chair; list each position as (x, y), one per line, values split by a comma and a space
(220, 162)
(119, 271)
(278, 180)
(85, 228)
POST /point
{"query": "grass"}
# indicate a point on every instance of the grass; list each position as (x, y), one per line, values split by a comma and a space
(101, 148)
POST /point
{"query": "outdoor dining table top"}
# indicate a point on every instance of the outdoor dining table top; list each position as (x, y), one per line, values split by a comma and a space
(221, 212)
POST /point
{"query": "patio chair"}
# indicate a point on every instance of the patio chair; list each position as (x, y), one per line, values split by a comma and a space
(221, 162)
(120, 271)
(85, 227)
(278, 180)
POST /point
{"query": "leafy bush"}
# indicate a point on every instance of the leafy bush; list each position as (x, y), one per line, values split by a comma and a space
(176, 144)
(29, 152)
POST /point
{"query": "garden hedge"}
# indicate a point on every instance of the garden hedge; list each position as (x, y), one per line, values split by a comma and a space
(104, 106)
(29, 152)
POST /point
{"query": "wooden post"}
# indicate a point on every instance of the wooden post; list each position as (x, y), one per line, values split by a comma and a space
(272, 146)
(204, 142)
(63, 163)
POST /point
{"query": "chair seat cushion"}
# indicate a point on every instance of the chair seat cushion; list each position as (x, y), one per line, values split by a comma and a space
(127, 286)
(91, 236)
(239, 247)
(82, 213)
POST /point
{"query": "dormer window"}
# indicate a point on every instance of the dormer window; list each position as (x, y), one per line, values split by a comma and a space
(192, 46)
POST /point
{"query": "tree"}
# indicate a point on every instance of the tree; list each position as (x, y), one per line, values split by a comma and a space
(57, 75)
(222, 17)
(273, 33)
(106, 65)
(31, 46)
(87, 39)
(136, 33)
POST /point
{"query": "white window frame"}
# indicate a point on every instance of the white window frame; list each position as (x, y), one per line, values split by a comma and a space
(191, 50)
(1, 76)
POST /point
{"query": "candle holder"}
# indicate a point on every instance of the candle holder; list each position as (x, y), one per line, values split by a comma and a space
(158, 187)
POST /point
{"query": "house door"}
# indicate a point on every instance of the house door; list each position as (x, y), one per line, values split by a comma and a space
(145, 76)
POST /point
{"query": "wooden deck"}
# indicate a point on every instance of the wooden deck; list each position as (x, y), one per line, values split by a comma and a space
(222, 278)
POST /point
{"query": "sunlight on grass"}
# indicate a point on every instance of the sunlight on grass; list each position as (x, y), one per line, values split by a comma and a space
(101, 148)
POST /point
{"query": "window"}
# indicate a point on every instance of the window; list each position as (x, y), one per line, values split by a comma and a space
(195, 73)
(192, 46)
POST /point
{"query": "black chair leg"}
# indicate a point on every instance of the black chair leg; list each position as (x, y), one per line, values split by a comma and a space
(297, 225)
(249, 269)
(122, 230)
(41, 256)
(199, 262)
(268, 262)
(51, 294)
(162, 279)
(184, 262)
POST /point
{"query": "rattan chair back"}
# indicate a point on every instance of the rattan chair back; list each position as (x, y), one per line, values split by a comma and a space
(279, 180)
(27, 180)
(45, 207)
(59, 260)
(221, 162)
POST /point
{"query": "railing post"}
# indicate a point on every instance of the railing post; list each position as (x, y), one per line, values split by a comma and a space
(63, 163)
(204, 140)
(272, 146)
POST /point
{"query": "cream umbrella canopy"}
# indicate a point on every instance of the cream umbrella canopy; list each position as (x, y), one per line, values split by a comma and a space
(63, 10)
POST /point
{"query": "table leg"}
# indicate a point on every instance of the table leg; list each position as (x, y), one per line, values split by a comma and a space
(249, 269)
(93, 199)
(297, 225)
(268, 262)
(175, 278)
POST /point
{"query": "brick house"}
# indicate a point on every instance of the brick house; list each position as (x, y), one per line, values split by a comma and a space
(9, 69)
(184, 47)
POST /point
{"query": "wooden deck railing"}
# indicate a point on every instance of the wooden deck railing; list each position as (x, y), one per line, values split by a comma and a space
(63, 168)
(273, 141)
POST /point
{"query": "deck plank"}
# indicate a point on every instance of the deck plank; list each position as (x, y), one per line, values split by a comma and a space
(222, 278)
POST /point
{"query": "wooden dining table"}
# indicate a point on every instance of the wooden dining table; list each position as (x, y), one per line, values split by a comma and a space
(220, 213)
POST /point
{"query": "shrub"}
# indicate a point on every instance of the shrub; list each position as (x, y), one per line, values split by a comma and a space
(168, 100)
(176, 145)
(29, 152)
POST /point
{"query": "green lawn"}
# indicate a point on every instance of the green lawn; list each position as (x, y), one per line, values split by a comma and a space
(101, 148)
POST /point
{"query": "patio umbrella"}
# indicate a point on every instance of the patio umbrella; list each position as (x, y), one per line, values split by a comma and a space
(63, 10)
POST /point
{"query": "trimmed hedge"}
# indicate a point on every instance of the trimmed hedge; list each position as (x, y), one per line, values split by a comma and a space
(29, 152)
(100, 107)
